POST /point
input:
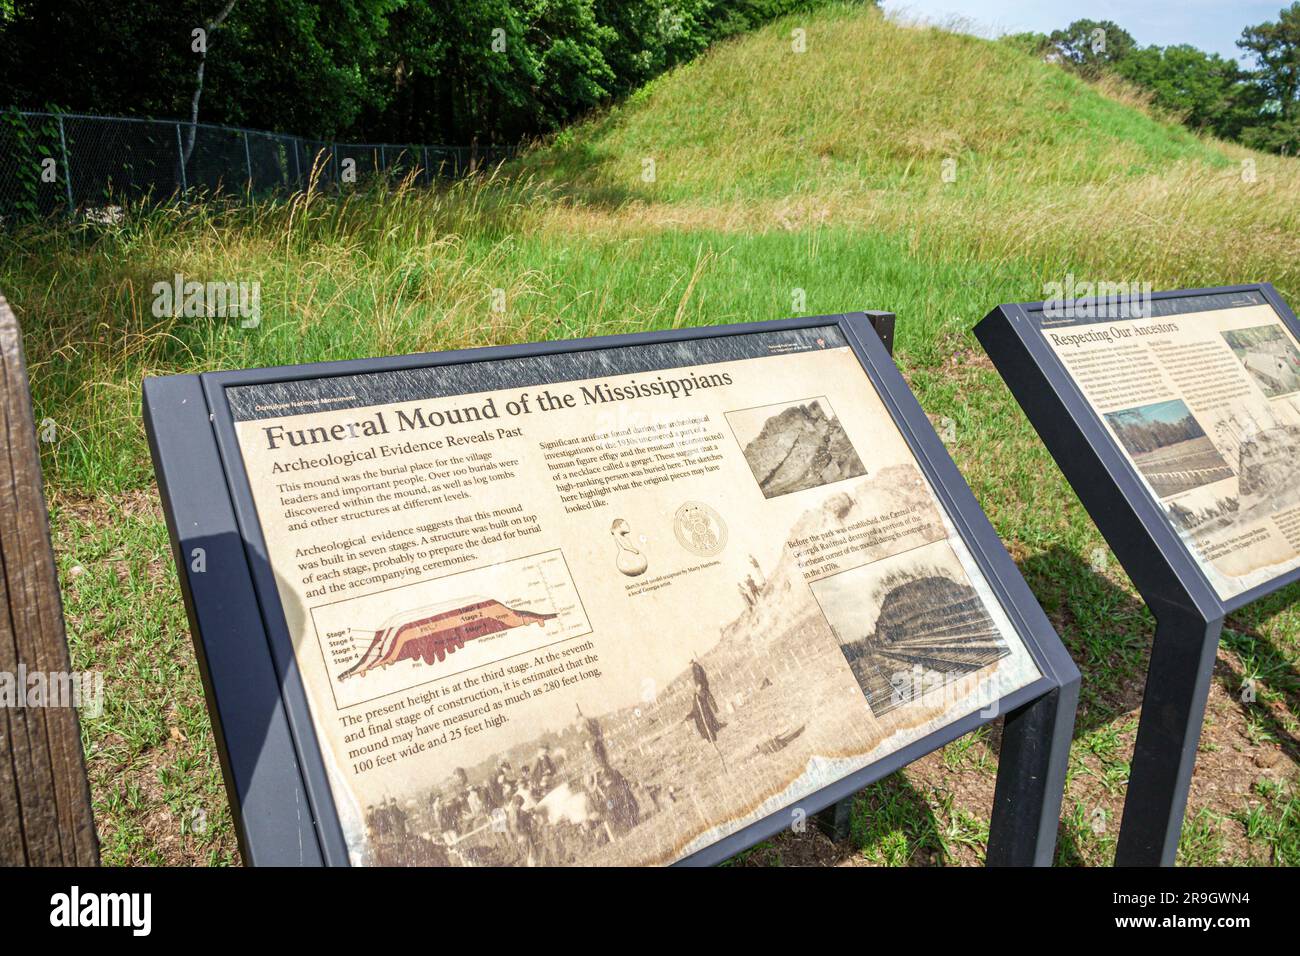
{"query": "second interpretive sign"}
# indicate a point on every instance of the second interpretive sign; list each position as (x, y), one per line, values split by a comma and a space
(611, 604)
(1202, 396)
(1176, 418)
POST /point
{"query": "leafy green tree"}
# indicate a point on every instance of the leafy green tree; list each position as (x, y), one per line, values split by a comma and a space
(1207, 91)
(453, 71)
(91, 56)
(1275, 49)
(1090, 47)
(491, 72)
(429, 71)
(278, 64)
(650, 36)
(296, 65)
(570, 45)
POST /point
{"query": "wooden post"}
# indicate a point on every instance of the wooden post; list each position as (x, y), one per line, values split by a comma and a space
(45, 816)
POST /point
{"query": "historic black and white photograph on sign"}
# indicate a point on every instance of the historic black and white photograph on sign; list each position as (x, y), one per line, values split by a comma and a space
(794, 446)
(1169, 447)
(909, 624)
(1269, 355)
(1267, 461)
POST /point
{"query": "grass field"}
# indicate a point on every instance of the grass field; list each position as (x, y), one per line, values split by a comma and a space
(782, 183)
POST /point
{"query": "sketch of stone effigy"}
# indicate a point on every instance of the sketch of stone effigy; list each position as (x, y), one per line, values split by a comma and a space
(921, 627)
(408, 635)
(630, 560)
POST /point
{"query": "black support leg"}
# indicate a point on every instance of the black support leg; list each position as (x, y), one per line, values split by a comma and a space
(883, 323)
(1173, 707)
(836, 820)
(1031, 779)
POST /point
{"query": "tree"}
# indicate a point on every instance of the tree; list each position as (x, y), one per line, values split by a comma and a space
(1275, 48)
(570, 44)
(208, 29)
(1209, 92)
(298, 66)
(416, 71)
(283, 64)
(1089, 47)
(62, 53)
(650, 36)
(1206, 91)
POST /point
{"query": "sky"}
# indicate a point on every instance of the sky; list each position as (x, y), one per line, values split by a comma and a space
(1212, 25)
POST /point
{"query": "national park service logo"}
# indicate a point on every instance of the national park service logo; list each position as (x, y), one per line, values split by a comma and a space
(700, 529)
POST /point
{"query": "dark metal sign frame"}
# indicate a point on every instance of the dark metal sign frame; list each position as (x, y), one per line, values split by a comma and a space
(1188, 611)
(274, 773)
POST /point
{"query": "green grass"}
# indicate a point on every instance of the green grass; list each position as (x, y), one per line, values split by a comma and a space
(152, 759)
(894, 826)
(1273, 825)
(776, 175)
(931, 95)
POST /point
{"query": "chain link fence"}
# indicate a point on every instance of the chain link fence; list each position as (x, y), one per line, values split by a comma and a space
(54, 163)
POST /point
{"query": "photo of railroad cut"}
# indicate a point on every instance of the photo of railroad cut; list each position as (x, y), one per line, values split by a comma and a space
(1269, 355)
(909, 624)
(795, 446)
(1169, 447)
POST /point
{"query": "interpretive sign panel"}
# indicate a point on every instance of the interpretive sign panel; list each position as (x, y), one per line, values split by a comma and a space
(611, 601)
(1202, 396)
(1175, 416)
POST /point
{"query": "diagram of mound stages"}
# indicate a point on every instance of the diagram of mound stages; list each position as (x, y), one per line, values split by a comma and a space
(403, 636)
(429, 634)
(801, 447)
